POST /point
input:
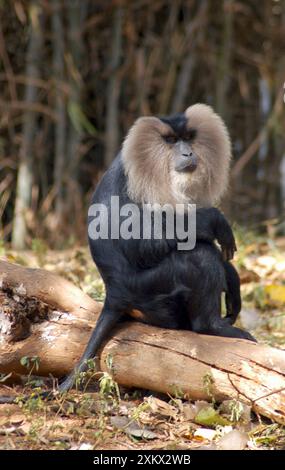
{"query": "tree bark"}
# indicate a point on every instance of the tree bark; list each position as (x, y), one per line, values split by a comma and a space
(143, 356)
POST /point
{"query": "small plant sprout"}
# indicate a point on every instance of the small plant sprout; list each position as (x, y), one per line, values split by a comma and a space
(108, 386)
(208, 382)
(141, 408)
(84, 378)
(236, 409)
(109, 362)
(30, 363)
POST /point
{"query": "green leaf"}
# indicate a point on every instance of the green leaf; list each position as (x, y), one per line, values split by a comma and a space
(210, 417)
(79, 119)
(25, 361)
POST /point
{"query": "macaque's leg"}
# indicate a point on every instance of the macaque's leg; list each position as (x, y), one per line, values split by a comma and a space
(209, 281)
(208, 319)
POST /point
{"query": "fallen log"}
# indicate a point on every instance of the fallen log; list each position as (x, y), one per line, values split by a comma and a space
(143, 356)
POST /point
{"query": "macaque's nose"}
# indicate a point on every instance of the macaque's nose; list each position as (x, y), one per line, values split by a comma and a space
(185, 159)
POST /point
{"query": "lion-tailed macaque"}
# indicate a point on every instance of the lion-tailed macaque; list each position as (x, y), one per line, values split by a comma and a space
(177, 160)
(180, 159)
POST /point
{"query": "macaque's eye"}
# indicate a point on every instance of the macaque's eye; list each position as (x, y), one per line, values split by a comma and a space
(170, 139)
(191, 134)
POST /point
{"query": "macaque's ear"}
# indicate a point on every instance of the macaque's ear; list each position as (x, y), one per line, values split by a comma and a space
(213, 146)
(150, 123)
(145, 160)
(211, 130)
(199, 108)
(147, 119)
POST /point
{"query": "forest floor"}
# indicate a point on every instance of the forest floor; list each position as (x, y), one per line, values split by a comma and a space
(110, 417)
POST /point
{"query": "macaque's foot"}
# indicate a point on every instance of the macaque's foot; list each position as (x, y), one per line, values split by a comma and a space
(67, 383)
(232, 331)
(248, 336)
(222, 328)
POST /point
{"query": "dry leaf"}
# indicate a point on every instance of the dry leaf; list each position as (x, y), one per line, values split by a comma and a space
(276, 293)
(132, 427)
(234, 440)
(205, 433)
(161, 407)
(189, 411)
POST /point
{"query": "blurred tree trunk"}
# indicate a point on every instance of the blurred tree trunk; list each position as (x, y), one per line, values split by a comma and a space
(60, 125)
(271, 174)
(183, 81)
(224, 60)
(195, 35)
(25, 169)
(282, 151)
(266, 169)
(113, 89)
(76, 13)
(173, 46)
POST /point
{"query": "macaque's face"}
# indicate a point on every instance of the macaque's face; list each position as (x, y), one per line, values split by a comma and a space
(180, 138)
(178, 159)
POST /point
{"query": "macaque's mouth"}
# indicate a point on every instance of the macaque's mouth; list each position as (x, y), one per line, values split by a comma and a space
(186, 166)
(186, 162)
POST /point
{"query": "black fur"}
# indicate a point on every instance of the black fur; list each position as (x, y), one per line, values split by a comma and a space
(174, 289)
(178, 122)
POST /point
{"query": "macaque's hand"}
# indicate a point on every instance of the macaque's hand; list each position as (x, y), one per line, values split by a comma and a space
(225, 238)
